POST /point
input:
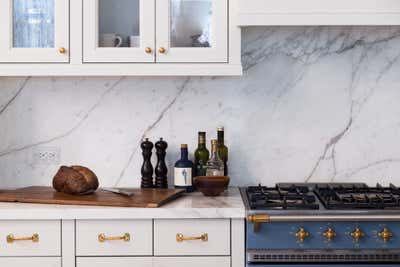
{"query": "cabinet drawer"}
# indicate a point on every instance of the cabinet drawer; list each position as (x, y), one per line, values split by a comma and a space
(31, 262)
(114, 262)
(209, 237)
(192, 262)
(30, 238)
(114, 238)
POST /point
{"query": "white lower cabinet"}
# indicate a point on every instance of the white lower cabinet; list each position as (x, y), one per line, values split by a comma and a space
(153, 262)
(31, 262)
(114, 262)
(192, 262)
(30, 238)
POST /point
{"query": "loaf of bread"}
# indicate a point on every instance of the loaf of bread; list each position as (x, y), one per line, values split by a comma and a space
(75, 180)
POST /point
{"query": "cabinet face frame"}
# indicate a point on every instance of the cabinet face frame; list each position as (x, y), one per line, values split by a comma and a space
(10, 54)
(217, 53)
(94, 54)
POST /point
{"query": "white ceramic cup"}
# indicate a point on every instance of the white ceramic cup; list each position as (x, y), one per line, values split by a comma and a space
(134, 41)
(110, 40)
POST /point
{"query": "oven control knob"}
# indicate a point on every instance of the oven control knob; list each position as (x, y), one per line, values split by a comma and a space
(357, 234)
(302, 234)
(329, 234)
(385, 235)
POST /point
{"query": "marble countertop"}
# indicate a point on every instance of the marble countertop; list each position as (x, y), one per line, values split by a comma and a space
(194, 205)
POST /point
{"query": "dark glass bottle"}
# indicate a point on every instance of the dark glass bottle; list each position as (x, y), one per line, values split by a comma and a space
(222, 149)
(183, 171)
(201, 156)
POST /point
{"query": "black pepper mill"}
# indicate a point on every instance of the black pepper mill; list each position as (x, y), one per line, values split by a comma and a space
(161, 167)
(147, 168)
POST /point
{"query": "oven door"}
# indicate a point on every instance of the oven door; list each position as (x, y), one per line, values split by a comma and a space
(324, 265)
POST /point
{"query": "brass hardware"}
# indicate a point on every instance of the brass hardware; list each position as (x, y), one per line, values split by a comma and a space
(385, 235)
(62, 50)
(357, 234)
(148, 50)
(257, 219)
(11, 238)
(103, 238)
(181, 237)
(162, 50)
(329, 234)
(302, 234)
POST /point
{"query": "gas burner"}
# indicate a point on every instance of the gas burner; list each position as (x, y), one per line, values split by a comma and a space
(356, 196)
(290, 197)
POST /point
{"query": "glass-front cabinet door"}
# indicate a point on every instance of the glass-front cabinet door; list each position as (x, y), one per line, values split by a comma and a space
(192, 31)
(118, 30)
(34, 31)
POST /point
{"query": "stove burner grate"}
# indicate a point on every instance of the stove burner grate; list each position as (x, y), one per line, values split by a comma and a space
(360, 196)
(281, 197)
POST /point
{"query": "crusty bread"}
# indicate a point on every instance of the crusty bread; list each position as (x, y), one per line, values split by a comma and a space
(75, 180)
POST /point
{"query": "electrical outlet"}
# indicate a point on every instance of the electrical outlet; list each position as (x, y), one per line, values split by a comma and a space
(46, 155)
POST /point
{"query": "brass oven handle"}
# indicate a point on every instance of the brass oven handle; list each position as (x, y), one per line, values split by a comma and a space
(11, 238)
(180, 237)
(103, 238)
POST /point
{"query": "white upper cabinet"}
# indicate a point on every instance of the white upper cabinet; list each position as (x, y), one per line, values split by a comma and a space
(319, 12)
(34, 31)
(118, 30)
(192, 30)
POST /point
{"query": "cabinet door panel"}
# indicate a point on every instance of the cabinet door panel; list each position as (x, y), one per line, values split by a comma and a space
(118, 30)
(31, 262)
(114, 262)
(192, 31)
(192, 262)
(34, 31)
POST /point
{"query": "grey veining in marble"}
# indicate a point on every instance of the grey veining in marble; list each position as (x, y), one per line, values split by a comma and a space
(314, 104)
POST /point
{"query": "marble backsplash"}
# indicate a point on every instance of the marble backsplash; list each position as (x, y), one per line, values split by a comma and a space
(315, 104)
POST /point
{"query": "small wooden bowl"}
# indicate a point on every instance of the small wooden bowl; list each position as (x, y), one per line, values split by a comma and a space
(211, 186)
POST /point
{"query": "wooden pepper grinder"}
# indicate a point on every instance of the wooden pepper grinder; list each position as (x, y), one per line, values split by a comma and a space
(147, 168)
(161, 167)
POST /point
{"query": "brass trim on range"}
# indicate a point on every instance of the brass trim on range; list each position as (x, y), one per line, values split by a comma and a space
(180, 237)
(357, 234)
(302, 234)
(257, 219)
(11, 238)
(103, 238)
(385, 235)
(329, 234)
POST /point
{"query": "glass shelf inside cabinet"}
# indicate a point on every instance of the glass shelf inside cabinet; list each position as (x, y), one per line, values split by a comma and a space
(33, 23)
(191, 23)
(119, 23)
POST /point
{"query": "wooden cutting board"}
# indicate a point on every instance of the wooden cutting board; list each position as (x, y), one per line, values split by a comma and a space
(143, 198)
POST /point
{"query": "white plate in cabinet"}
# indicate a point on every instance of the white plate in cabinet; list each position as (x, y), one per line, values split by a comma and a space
(192, 262)
(31, 262)
(30, 238)
(192, 237)
(114, 262)
(114, 237)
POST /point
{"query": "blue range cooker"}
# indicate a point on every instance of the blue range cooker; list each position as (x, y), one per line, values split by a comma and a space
(322, 225)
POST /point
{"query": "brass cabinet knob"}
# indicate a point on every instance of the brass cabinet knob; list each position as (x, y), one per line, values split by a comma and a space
(357, 234)
(385, 235)
(11, 238)
(103, 238)
(62, 50)
(329, 234)
(162, 50)
(148, 50)
(302, 234)
(181, 237)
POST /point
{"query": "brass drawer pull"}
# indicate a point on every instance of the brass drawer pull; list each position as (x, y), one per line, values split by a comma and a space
(11, 238)
(103, 238)
(181, 237)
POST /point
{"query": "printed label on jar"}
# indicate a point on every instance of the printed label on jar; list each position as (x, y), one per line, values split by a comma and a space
(183, 176)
